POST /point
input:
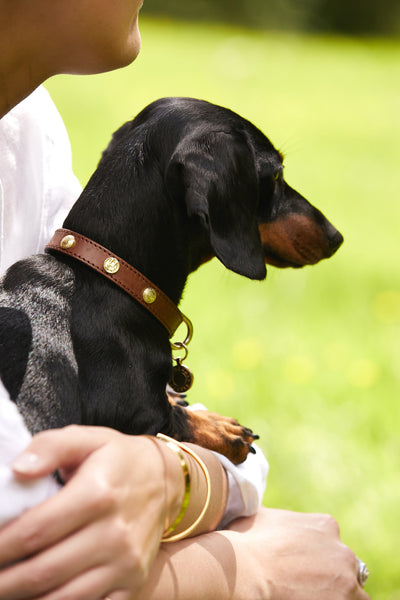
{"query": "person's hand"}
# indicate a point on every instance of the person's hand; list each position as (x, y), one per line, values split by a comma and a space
(301, 556)
(275, 555)
(99, 535)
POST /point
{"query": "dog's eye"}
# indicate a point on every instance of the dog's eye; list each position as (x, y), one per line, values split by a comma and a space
(277, 175)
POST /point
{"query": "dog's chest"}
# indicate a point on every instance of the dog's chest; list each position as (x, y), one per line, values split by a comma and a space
(42, 288)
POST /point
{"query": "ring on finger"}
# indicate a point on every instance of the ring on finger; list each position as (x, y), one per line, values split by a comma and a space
(362, 572)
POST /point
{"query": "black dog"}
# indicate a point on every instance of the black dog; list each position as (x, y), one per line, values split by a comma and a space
(183, 182)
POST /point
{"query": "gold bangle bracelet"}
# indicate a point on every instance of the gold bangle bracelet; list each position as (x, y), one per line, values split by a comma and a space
(192, 527)
(174, 446)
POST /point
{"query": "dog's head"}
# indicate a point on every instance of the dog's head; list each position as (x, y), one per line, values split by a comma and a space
(231, 177)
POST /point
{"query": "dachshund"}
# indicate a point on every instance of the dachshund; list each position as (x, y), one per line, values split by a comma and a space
(183, 182)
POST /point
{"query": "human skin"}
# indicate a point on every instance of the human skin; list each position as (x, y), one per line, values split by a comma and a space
(111, 495)
(46, 37)
(275, 555)
(99, 536)
(102, 531)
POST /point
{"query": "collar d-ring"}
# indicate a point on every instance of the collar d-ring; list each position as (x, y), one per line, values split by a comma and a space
(189, 335)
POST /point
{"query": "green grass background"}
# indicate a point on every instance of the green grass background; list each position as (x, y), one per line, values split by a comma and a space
(310, 359)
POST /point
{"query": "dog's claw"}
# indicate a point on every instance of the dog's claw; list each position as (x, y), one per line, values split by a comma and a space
(222, 434)
(182, 402)
(249, 433)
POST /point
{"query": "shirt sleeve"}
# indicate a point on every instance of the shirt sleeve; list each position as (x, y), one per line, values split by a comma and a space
(37, 185)
(247, 485)
(247, 482)
(37, 189)
(16, 496)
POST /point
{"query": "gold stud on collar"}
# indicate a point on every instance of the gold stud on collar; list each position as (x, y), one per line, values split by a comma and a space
(68, 242)
(149, 295)
(111, 265)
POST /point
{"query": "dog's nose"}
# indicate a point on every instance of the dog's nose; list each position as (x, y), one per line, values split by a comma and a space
(335, 241)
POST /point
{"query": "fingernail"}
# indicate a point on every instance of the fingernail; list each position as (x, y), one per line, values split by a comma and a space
(26, 463)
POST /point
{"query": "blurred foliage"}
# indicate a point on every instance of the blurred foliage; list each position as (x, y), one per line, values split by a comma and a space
(340, 16)
(310, 358)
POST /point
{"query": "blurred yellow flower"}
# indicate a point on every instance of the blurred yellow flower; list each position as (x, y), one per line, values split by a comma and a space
(299, 369)
(247, 354)
(364, 373)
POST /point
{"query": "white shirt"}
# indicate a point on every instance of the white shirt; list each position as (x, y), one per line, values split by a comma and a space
(37, 188)
(37, 185)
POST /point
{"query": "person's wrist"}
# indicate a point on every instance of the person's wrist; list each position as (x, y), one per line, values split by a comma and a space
(173, 478)
(205, 491)
(180, 451)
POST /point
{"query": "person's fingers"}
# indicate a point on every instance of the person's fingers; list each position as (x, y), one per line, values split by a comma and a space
(326, 523)
(65, 448)
(35, 575)
(118, 595)
(68, 560)
(108, 512)
(52, 520)
(360, 594)
(91, 585)
(309, 543)
(68, 510)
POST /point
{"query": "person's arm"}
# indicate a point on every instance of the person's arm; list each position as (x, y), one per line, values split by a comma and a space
(275, 555)
(96, 539)
(102, 531)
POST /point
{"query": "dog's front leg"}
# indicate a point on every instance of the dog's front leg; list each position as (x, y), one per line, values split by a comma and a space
(210, 430)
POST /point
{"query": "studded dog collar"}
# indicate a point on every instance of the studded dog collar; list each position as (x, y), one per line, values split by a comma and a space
(122, 274)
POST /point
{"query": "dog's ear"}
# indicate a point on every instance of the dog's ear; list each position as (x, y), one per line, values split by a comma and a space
(220, 185)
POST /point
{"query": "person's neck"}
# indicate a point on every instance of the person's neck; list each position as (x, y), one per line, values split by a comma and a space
(13, 90)
(20, 71)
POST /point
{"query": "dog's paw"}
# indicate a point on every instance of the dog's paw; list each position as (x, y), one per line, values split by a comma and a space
(222, 434)
(176, 398)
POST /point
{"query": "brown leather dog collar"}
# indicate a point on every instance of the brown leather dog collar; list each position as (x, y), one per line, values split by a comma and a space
(122, 274)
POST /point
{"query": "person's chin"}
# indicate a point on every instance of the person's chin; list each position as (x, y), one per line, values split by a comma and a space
(116, 54)
(131, 49)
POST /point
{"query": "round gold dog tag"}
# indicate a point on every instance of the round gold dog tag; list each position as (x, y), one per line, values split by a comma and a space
(181, 379)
